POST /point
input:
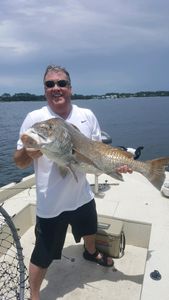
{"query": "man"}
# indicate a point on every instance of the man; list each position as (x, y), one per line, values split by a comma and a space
(60, 201)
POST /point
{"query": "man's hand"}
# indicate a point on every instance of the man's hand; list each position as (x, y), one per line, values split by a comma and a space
(124, 169)
(33, 153)
(24, 157)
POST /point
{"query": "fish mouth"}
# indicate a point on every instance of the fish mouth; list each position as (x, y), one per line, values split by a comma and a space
(28, 141)
(32, 139)
(41, 136)
(33, 134)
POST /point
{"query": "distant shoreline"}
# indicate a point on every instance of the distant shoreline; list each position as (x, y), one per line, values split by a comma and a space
(6, 97)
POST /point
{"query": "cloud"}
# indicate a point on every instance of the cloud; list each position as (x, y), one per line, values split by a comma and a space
(100, 42)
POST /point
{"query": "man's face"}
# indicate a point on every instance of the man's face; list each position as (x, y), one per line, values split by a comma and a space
(58, 97)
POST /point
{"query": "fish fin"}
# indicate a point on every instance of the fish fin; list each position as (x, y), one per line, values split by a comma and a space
(64, 170)
(116, 175)
(156, 171)
(74, 126)
(73, 172)
(82, 158)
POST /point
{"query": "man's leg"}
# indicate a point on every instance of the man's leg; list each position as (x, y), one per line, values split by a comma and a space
(36, 276)
(84, 224)
(50, 237)
(89, 241)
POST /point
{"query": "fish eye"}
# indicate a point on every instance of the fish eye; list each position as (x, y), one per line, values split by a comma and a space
(49, 126)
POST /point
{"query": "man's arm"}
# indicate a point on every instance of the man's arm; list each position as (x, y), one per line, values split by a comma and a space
(24, 157)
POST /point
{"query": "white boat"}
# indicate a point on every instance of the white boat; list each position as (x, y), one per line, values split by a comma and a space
(142, 273)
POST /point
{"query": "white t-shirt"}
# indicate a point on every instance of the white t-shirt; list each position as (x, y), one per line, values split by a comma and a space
(56, 194)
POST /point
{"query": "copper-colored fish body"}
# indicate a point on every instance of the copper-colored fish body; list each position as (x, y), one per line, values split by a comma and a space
(70, 149)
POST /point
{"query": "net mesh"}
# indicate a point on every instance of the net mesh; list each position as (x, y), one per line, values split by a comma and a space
(13, 273)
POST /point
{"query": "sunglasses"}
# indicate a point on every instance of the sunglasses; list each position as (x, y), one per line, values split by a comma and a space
(60, 83)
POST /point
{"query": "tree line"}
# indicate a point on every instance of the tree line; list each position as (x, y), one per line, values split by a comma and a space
(31, 97)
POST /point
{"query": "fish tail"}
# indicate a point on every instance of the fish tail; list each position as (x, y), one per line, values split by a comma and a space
(155, 172)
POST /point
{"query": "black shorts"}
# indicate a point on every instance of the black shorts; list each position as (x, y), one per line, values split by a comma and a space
(50, 233)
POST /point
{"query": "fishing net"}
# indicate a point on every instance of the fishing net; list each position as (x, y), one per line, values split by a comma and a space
(13, 273)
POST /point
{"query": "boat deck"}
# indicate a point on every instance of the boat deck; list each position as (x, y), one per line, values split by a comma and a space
(75, 278)
(144, 212)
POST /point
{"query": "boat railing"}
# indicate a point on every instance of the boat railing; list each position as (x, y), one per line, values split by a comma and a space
(12, 189)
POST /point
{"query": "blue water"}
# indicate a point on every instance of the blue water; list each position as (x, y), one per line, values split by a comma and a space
(130, 122)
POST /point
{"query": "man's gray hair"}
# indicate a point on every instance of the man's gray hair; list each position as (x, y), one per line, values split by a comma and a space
(57, 69)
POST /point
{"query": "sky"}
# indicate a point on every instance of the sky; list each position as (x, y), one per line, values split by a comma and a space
(107, 46)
